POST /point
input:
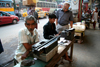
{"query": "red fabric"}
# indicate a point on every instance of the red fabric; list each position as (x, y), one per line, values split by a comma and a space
(86, 4)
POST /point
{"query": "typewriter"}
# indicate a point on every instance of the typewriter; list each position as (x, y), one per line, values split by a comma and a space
(45, 46)
(68, 34)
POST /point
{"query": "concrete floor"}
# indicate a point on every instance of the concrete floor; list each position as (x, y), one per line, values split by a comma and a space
(86, 54)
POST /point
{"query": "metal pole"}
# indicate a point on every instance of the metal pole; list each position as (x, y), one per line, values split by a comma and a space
(14, 4)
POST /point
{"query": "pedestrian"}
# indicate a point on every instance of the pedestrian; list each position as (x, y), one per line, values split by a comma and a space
(95, 17)
(26, 38)
(16, 12)
(49, 29)
(89, 11)
(29, 11)
(34, 13)
(21, 11)
(64, 17)
(99, 19)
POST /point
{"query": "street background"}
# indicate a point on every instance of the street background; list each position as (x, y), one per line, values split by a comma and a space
(86, 54)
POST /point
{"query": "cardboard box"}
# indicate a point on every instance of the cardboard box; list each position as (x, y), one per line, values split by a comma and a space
(29, 2)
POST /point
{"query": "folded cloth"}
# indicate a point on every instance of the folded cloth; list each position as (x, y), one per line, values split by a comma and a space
(27, 62)
(1, 47)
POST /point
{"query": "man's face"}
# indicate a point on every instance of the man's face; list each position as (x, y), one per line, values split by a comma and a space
(66, 7)
(30, 25)
(33, 8)
(52, 20)
(96, 8)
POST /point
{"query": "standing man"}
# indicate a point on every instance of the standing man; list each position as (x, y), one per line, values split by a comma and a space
(26, 38)
(64, 17)
(16, 12)
(21, 11)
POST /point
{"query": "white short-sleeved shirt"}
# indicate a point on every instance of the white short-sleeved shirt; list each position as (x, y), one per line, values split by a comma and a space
(25, 37)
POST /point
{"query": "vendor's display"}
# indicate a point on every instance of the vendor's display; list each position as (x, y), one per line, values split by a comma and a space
(79, 31)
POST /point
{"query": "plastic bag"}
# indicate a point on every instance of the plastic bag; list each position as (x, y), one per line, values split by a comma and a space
(92, 21)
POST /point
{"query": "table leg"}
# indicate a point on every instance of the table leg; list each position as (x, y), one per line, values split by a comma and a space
(71, 53)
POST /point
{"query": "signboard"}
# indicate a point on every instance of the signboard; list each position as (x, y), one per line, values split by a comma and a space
(17, 1)
(74, 4)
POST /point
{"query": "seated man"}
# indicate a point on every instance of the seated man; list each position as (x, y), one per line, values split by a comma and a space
(49, 29)
(27, 37)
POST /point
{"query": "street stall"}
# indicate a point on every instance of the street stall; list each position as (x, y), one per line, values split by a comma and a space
(43, 61)
(79, 31)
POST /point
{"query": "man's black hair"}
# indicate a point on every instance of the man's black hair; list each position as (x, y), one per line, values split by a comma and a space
(52, 15)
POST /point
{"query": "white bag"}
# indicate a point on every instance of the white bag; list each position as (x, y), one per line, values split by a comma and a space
(92, 20)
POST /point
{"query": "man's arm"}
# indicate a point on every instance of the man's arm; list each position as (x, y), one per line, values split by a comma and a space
(28, 49)
(71, 20)
(27, 46)
(93, 15)
(56, 21)
(57, 15)
(45, 32)
(71, 24)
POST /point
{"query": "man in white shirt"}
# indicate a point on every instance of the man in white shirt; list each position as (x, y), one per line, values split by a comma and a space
(26, 38)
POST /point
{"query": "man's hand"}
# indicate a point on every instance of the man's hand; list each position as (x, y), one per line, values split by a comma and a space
(25, 55)
(71, 24)
(56, 21)
(57, 35)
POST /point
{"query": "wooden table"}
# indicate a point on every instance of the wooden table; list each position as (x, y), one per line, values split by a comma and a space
(56, 57)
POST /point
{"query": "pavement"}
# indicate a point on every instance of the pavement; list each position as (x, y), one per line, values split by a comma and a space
(86, 54)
